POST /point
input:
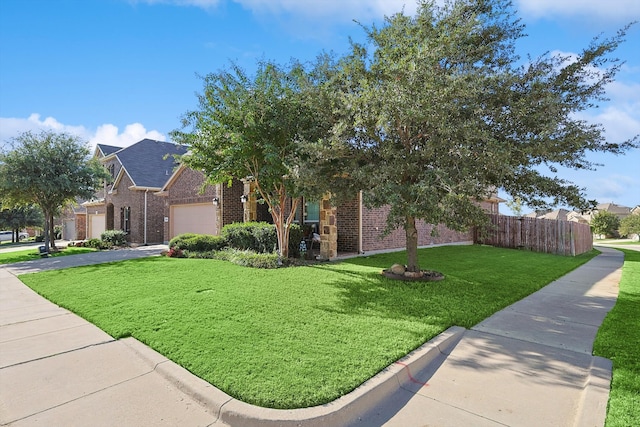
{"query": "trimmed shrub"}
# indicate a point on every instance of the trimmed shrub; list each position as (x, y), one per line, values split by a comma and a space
(114, 237)
(198, 242)
(296, 234)
(179, 240)
(97, 244)
(261, 237)
(241, 235)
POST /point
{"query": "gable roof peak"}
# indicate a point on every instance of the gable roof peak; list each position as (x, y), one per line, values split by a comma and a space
(150, 163)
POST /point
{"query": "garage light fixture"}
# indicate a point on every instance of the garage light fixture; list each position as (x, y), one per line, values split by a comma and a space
(244, 198)
(216, 201)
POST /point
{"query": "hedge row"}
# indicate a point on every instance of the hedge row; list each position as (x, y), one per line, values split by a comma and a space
(251, 243)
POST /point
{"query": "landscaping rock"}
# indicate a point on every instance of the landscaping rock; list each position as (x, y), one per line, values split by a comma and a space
(397, 269)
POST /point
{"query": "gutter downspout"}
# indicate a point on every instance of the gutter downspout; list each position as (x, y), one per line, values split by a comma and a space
(145, 216)
(220, 211)
(360, 251)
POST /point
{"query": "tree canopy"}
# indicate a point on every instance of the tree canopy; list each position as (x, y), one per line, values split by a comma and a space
(630, 225)
(440, 113)
(257, 128)
(605, 223)
(48, 169)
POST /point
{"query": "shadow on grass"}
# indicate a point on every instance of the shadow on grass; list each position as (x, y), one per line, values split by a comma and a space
(441, 304)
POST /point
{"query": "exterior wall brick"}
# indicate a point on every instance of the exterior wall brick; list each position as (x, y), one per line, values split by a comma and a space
(347, 217)
(124, 197)
(374, 223)
(232, 207)
(81, 226)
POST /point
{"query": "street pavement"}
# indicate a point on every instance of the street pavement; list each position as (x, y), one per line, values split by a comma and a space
(528, 365)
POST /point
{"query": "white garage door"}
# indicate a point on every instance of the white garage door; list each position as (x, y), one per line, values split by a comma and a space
(200, 219)
(69, 230)
(96, 226)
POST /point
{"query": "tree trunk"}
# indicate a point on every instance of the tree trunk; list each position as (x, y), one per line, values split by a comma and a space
(46, 231)
(278, 220)
(52, 233)
(412, 244)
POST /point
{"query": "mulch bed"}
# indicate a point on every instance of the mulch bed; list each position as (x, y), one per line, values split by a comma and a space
(428, 276)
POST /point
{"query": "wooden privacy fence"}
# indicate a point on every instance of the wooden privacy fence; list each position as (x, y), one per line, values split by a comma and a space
(538, 235)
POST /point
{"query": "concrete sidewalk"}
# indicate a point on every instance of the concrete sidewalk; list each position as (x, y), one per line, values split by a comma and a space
(528, 365)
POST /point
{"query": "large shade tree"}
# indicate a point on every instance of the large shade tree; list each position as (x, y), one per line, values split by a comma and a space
(439, 111)
(48, 169)
(259, 128)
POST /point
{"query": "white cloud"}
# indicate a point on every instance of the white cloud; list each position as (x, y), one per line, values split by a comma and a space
(108, 134)
(337, 10)
(611, 10)
(614, 188)
(11, 127)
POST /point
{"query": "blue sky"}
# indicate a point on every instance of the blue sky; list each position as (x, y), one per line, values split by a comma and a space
(117, 71)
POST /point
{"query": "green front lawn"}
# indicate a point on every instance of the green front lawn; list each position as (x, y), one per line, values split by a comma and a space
(618, 339)
(295, 337)
(31, 254)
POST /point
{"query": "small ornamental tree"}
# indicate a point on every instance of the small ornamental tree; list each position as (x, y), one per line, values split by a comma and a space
(630, 225)
(438, 110)
(48, 169)
(605, 222)
(258, 128)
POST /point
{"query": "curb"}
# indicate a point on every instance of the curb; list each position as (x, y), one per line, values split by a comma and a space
(339, 412)
(592, 409)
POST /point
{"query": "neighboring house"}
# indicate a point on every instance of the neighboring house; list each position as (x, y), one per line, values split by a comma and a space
(620, 211)
(73, 221)
(563, 215)
(128, 200)
(559, 215)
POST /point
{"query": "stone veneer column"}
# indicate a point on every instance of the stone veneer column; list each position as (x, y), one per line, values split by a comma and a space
(328, 229)
(251, 206)
(218, 208)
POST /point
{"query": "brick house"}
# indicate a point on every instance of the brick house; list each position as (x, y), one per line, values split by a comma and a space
(154, 198)
(128, 202)
(348, 228)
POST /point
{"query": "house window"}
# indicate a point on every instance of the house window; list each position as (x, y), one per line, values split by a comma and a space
(125, 219)
(312, 211)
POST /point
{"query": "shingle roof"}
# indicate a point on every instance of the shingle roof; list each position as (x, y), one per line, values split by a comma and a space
(560, 214)
(150, 163)
(613, 208)
(107, 149)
